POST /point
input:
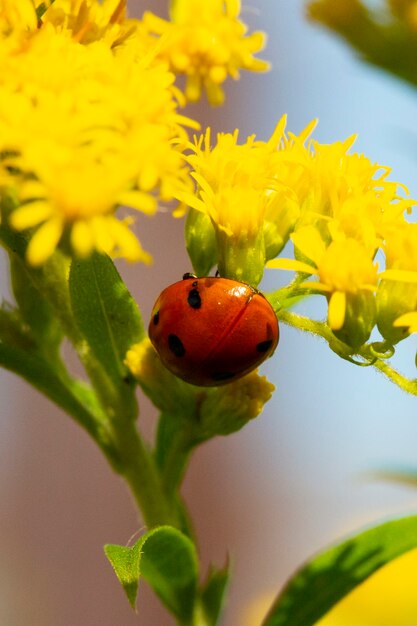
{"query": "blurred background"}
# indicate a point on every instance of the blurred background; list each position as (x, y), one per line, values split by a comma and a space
(291, 482)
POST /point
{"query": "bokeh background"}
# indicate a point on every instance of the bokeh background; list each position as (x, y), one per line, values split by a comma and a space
(292, 481)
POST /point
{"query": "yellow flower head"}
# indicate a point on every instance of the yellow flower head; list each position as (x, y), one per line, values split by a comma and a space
(344, 268)
(207, 42)
(233, 184)
(221, 410)
(90, 130)
(88, 20)
(397, 292)
(17, 16)
(352, 194)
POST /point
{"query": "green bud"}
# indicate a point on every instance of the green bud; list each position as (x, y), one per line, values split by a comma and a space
(394, 298)
(278, 229)
(241, 257)
(200, 240)
(167, 392)
(360, 318)
(227, 409)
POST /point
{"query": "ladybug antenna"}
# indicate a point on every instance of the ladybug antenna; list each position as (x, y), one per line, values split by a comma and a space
(217, 274)
(188, 275)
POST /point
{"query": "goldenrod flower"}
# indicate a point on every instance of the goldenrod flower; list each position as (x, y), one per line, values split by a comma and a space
(397, 293)
(207, 42)
(221, 410)
(17, 16)
(88, 20)
(250, 206)
(88, 130)
(227, 409)
(344, 269)
(352, 194)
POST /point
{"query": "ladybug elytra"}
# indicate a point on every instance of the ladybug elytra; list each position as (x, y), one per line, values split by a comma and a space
(210, 331)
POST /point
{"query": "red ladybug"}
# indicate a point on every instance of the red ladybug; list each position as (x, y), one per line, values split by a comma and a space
(210, 331)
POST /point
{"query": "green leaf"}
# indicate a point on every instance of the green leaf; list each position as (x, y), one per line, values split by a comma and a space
(35, 309)
(125, 562)
(213, 594)
(330, 576)
(105, 312)
(167, 560)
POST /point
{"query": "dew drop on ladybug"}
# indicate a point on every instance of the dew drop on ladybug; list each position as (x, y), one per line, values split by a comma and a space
(210, 331)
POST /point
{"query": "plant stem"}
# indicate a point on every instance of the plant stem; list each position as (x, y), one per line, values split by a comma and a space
(140, 472)
(321, 329)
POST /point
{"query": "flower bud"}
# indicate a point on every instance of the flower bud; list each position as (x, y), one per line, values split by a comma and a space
(359, 320)
(200, 239)
(227, 409)
(167, 392)
(397, 292)
(241, 256)
(280, 217)
(394, 299)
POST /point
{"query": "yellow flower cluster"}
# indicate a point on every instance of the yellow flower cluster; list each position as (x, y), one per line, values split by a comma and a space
(339, 209)
(89, 122)
(206, 42)
(86, 125)
(221, 409)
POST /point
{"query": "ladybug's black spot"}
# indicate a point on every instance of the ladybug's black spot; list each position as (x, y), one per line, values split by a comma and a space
(194, 299)
(155, 318)
(264, 346)
(195, 283)
(222, 375)
(175, 345)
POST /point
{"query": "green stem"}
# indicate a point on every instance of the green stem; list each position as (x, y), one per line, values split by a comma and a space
(321, 329)
(140, 472)
(410, 386)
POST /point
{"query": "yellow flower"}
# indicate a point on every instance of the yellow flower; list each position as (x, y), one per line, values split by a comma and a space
(88, 20)
(344, 268)
(227, 409)
(221, 410)
(232, 183)
(352, 195)
(17, 16)
(408, 320)
(207, 42)
(397, 292)
(388, 598)
(88, 130)
(252, 208)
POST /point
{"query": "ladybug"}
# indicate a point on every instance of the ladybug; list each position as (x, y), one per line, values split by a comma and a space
(210, 331)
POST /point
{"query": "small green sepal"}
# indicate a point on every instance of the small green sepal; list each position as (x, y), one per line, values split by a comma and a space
(167, 560)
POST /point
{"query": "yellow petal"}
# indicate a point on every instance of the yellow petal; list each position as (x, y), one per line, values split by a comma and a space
(44, 241)
(127, 243)
(138, 200)
(291, 264)
(81, 238)
(337, 309)
(408, 319)
(406, 276)
(30, 214)
(310, 243)
(273, 141)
